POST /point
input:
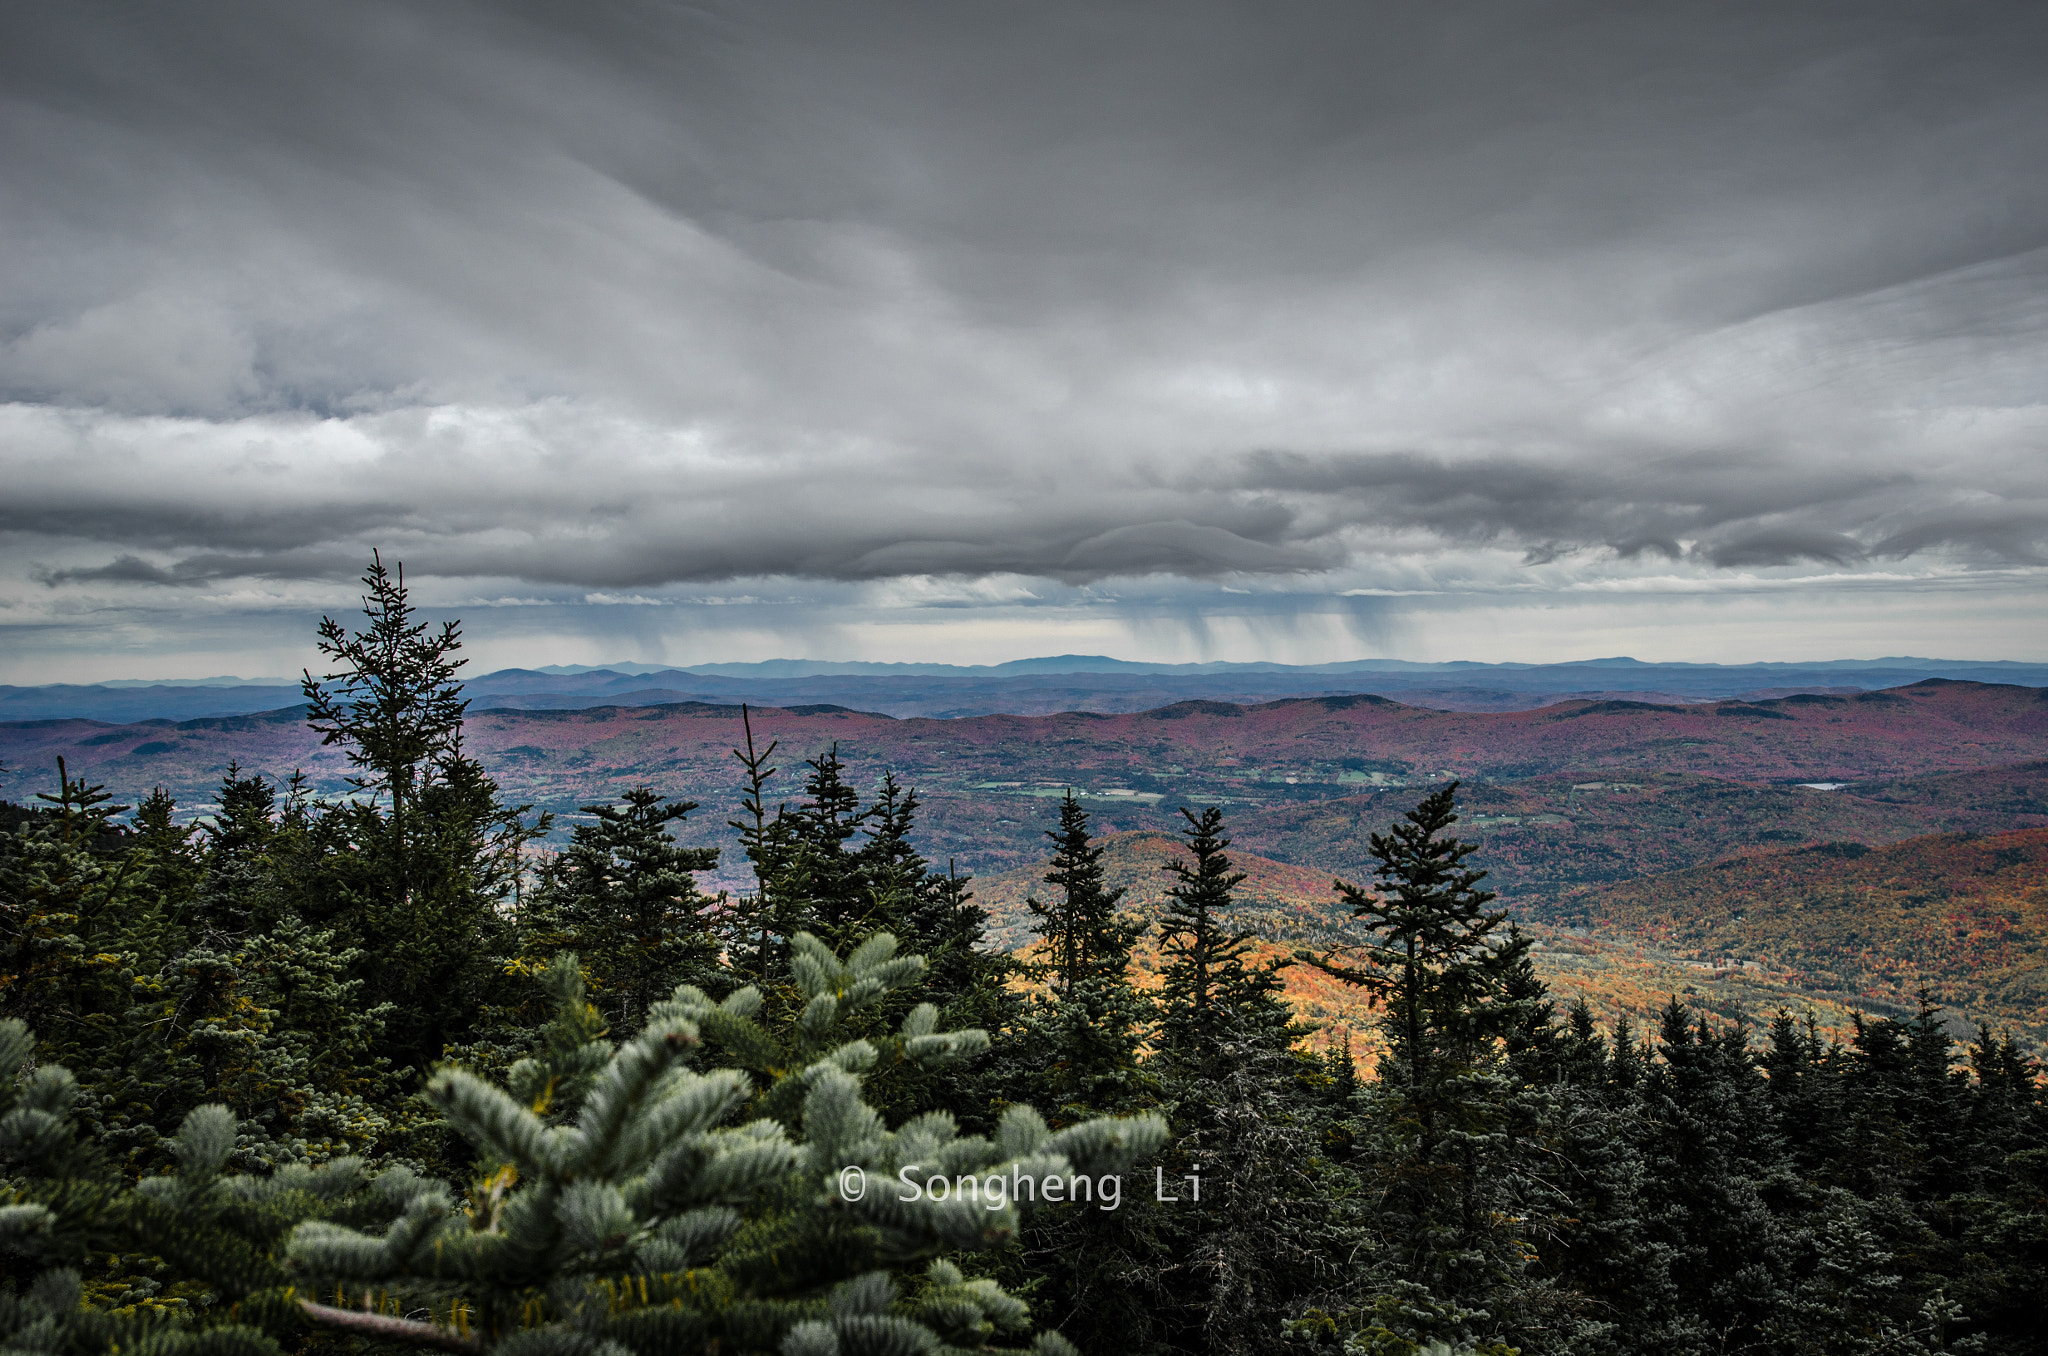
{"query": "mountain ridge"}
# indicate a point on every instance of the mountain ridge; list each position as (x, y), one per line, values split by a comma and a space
(1053, 685)
(1562, 799)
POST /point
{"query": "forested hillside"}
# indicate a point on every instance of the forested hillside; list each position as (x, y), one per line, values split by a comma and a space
(1251, 751)
(375, 1070)
(1625, 952)
(1547, 834)
(1301, 779)
(1963, 915)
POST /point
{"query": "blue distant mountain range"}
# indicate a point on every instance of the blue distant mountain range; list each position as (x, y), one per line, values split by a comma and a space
(1041, 686)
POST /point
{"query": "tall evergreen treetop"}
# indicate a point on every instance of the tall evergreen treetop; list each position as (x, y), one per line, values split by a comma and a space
(824, 875)
(244, 819)
(427, 856)
(932, 909)
(624, 896)
(1208, 993)
(395, 706)
(1460, 1012)
(175, 864)
(1091, 1030)
(1429, 955)
(64, 906)
(1084, 935)
(758, 922)
(891, 863)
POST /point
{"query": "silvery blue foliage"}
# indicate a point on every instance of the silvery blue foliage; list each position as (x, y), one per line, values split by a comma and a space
(682, 1205)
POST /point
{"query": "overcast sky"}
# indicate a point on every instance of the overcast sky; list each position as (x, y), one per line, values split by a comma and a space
(972, 331)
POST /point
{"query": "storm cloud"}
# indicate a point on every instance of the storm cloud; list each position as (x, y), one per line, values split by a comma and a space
(1304, 302)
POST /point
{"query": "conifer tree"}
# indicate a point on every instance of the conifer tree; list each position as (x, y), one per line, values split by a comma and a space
(1807, 1096)
(1209, 996)
(2006, 1250)
(1713, 1161)
(1429, 959)
(235, 896)
(1625, 1064)
(825, 874)
(949, 927)
(1909, 1108)
(631, 1202)
(1083, 933)
(931, 909)
(833, 866)
(1236, 1246)
(762, 922)
(1091, 1028)
(395, 705)
(892, 865)
(810, 874)
(1079, 1054)
(243, 819)
(67, 910)
(1450, 1000)
(623, 895)
(419, 864)
(208, 1279)
(174, 864)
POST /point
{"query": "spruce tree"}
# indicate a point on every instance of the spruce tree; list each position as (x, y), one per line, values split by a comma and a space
(939, 912)
(892, 866)
(826, 875)
(174, 864)
(69, 911)
(2001, 1237)
(394, 705)
(623, 895)
(1451, 996)
(235, 896)
(1714, 1164)
(1429, 959)
(183, 1263)
(836, 867)
(1237, 1246)
(1807, 1096)
(1082, 932)
(761, 923)
(932, 910)
(417, 864)
(1209, 997)
(1091, 1027)
(810, 874)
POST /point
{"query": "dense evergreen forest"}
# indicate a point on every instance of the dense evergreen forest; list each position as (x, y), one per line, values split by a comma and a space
(375, 1073)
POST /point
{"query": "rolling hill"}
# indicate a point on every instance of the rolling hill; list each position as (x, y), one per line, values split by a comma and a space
(1291, 908)
(1302, 780)
(1547, 834)
(1966, 915)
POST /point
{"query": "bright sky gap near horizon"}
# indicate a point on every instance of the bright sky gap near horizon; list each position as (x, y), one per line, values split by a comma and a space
(966, 333)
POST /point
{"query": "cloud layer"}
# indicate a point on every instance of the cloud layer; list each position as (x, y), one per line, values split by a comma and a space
(632, 298)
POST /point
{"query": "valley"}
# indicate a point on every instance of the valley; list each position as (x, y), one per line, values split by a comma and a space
(1964, 916)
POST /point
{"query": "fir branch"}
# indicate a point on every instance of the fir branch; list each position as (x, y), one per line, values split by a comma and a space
(386, 1328)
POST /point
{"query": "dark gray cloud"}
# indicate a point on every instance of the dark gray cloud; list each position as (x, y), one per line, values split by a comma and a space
(125, 570)
(1400, 297)
(1786, 545)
